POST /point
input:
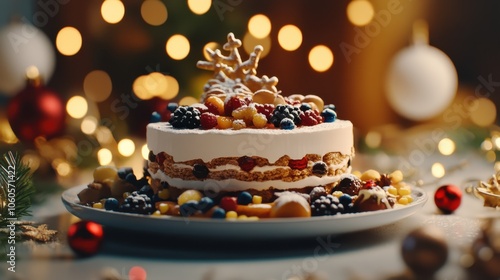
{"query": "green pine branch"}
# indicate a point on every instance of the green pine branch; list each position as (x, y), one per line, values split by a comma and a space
(16, 188)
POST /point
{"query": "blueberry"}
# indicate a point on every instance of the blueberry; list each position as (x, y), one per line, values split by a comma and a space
(147, 190)
(131, 178)
(151, 156)
(219, 213)
(172, 106)
(200, 171)
(189, 208)
(305, 107)
(205, 204)
(122, 172)
(319, 168)
(345, 199)
(331, 107)
(287, 124)
(329, 115)
(155, 117)
(111, 204)
(244, 198)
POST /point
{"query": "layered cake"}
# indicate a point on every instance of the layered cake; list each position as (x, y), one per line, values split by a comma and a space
(246, 136)
(246, 151)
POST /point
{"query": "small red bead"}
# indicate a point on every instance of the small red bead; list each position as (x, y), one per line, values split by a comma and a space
(85, 237)
(448, 198)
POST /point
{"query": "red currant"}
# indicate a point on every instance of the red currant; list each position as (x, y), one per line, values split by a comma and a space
(228, 203)
(246, 163)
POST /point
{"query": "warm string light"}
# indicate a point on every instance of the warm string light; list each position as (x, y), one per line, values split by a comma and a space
(360, 12)
(155, 84)
(154, 12)
(199, 7)
(68, 41)
(321, 58)
(259, 26)
(97, 85)
(112, 11)
(77, 107)
(177, 47)
(290, 37)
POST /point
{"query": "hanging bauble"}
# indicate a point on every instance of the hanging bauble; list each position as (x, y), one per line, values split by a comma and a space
(23, 45)
(448, 198)
(85, 238)
(36, 111)
(421, 82)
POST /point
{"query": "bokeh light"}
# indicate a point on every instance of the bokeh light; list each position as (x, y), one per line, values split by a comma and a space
(97, 85)
(491, 156)
(290, 37)
(446, 146)
(88, 125)
(155, 85)
(177, 47)
(6, 134)
(126, 147)
(145, 151)
(137, 273)
(321, 58)
(259, 26)
(172, 88)
(485, 112)
(188, 100)
(62, 167)
(154, 12)
(373, 139)
(211, 45)
(360, 12)
(77, 107)
(249, 43)
(104, 156)
(487, 144)
(68, 41)
(112, 11)
(438, 170)
(199, 7)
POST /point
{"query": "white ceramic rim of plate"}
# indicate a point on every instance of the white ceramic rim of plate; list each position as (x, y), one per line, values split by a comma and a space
(263, 228)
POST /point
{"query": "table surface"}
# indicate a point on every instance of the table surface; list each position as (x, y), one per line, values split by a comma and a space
(369, 254)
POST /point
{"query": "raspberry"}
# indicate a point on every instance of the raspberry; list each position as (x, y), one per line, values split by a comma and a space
(185, 117)
(259, 120)
(239, 124)
(311, 117)
(246, 163)
(245, 113)
(266, 109)
(224, 122)
(232, 103)
(215, 105)
(208, 120)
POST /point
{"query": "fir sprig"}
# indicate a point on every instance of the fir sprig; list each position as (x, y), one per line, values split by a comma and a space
(16, 179)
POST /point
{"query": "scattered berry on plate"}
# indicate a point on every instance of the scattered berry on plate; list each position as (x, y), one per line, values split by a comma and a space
(244, 198)
(326, 206)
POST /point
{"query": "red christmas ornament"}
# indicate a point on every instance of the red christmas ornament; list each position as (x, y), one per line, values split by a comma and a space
(448, 198)
(85, 237)
(36, 111)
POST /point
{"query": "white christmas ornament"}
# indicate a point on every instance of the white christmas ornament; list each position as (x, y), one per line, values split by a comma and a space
(23, 45)
(421, 83)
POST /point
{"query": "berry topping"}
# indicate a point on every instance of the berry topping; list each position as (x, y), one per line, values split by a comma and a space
(137, 203)
(208, 120)
(285, 111)
(151, 156)
(317, 192)
(232, 104)
(266, 109)
(348, 184)
(259, 120)
(185, 117)
(311, 117)
(172, 106)
(215, 105)
(205, 204)
(245, 113)
(124, 171)
(219, 213)
(189, 208)
(369, 184)
(305, 107)
(239, 124)
(246, 163)
(329, 115)
(147, 190)
(224, 122)
(228, 203)
(331, 107)
(319, 168)
(298, 163)
(345, 199)
(200, 171)
(155, 117)
(287, 124)
(244, 198)
(111, 204)
(326, 206)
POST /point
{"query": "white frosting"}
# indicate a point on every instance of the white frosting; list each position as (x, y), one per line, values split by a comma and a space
(189, 144)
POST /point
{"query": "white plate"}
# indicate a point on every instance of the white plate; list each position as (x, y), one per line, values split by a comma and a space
(264, 228)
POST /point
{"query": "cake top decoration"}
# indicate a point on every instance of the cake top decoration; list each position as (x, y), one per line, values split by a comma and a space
(234, 76)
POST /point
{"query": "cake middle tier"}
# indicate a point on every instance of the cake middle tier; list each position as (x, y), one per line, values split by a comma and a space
(250, 159)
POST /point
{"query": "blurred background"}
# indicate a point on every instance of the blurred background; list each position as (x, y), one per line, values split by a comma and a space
(390, 66)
